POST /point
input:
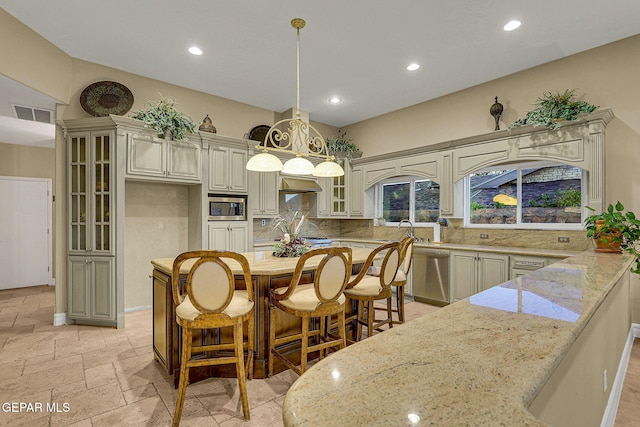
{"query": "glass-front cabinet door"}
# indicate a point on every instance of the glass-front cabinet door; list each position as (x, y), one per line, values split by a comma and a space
(339, 199)
(90, 201)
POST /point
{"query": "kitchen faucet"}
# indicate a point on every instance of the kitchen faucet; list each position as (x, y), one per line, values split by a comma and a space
(410, 232)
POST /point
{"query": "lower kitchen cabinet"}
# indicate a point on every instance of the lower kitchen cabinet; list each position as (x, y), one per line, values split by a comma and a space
(91, 292)
(229, 236)
(473, 272)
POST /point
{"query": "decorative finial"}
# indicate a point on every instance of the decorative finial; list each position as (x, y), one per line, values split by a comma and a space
(207, 125)
(496, 111)
(298, 23)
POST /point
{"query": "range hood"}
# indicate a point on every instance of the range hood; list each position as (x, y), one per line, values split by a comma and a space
(297, 185)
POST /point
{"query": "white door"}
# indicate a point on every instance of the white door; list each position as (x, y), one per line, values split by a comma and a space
(25, 242)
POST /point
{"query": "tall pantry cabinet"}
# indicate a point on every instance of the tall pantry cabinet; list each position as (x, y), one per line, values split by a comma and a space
(95, 222)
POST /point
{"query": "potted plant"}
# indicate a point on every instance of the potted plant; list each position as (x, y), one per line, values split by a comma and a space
(554, 108)
(615, 230)
(166, 120)
(342, 148)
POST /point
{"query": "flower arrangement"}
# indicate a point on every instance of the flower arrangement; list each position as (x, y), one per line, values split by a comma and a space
(291, 245)
(166, 120)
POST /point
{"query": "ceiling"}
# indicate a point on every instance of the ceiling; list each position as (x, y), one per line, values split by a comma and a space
(357, 50)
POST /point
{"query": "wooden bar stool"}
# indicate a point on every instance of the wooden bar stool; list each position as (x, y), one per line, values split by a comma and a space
(366, 289)
(209, 301)
(406, 257)
(321, 299)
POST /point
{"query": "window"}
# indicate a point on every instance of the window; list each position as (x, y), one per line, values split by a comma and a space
(415, 199)
(540, 195)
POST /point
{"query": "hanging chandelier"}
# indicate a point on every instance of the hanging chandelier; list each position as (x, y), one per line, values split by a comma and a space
(300, 138)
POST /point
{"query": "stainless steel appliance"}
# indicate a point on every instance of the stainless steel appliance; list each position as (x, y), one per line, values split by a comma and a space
(227, 208)
(430, 280)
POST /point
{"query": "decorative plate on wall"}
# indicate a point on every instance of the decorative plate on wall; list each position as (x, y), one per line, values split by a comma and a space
(103, 98)
(258, 133)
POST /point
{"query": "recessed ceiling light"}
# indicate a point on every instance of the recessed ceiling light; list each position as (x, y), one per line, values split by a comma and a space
(512, 25)
(413, 67)
(335, 100)
(194, 50)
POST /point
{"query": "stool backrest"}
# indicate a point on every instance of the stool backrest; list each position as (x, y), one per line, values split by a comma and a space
(333, 273)
(406, 254)
(210, 281)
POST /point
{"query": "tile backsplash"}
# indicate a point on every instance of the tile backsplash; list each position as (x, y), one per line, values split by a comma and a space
(364, 229)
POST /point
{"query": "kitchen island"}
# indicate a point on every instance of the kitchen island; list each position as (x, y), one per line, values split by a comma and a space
(530, 351)
(267, 271)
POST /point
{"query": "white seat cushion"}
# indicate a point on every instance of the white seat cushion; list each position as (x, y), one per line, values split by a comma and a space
(239, 306)
(400, 276)
(369, 285)
(304, 298)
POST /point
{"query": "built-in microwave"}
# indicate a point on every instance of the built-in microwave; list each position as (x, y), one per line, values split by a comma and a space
(227, 208)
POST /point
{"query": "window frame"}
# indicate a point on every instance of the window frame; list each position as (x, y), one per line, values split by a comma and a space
(411, 180)
(519, 167)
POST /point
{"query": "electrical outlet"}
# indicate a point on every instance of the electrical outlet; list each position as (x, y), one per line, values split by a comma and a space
(605, 381)
(264, 222)
(484, 236)
(563, 239)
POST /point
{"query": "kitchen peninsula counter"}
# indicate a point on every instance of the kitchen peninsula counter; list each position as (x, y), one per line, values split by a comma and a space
(492, 359)
(267, 271)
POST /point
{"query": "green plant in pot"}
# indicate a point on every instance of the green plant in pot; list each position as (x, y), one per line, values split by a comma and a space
(341, 147)
(615, 230)
(163, 117)
(551, 109)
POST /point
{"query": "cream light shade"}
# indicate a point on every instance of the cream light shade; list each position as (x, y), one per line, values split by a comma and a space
(328, 169)
(298, 166)
(264, 162)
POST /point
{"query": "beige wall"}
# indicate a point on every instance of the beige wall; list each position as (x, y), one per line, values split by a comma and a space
(26, 161)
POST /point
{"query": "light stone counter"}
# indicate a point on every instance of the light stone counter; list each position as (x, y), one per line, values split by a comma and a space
(480, 361)
(262, 263)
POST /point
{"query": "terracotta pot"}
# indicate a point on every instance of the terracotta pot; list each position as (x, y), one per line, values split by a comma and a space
(606, 242)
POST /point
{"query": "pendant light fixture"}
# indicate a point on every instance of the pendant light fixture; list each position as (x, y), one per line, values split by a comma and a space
(300, 138)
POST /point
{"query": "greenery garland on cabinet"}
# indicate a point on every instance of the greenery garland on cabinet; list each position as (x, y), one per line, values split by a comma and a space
(163, 117)
(554, 108)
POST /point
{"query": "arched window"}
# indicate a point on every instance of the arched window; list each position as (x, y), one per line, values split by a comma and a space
(526, 195)
(413, 198)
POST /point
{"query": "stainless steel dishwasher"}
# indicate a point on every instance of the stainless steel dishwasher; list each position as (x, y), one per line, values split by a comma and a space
(431, 276)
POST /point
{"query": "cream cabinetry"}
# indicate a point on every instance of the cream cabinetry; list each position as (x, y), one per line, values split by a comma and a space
(229, 235)
(324, 198)
(161, 159)
(356, 192)
(227, 169)
(94, 295)
(263, 193)
(473, 272)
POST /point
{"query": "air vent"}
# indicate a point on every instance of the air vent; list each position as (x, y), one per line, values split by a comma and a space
(33, 114)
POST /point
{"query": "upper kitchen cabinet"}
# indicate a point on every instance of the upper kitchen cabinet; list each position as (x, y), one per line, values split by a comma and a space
(95, 222)
(263, 193)
(356, 192)
(149, 157)
(227, 169)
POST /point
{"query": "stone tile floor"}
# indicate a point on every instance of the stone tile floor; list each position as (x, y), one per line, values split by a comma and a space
(93, 376)
(107, 377)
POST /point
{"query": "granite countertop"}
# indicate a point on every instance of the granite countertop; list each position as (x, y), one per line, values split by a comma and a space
(480, 361)
(260, 263)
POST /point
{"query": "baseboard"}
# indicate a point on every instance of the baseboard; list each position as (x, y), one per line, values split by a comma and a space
(609, 417)
(139, 308)
(59, 319)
